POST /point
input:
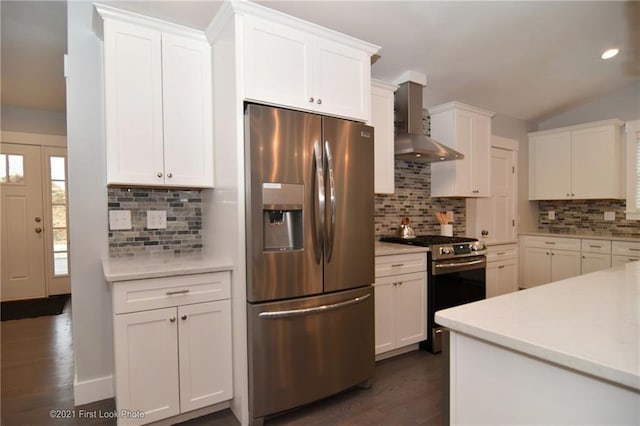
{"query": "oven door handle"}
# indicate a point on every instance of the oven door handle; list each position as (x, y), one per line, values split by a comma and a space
(443, 268)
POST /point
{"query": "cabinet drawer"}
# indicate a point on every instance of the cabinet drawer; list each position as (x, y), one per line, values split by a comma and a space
(400, 264)
(596, 246)
(553, 243)
(502, 252)
(153, 293)
(625, 248)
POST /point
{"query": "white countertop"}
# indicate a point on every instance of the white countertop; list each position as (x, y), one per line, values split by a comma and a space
(589, 235)
(133, 268)
(383, 249)
(589, 323)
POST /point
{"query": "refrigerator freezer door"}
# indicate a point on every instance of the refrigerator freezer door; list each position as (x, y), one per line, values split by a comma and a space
(349, 222)
(279, 146)
(309, 348)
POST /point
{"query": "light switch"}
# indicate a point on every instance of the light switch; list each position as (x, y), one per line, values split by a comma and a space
(609, 215)
(156, 219)
(119, 220)
(551, 214)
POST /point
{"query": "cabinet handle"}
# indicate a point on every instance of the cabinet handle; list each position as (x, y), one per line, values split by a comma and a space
(397, 265)
(311, 99)
(169, 175)
(169, 293)
(500, 253)
(184, 317)
(573, 195)
(553, 254)
(547, 253)
(633, 249)
(395, 284)
(549, 242)
(319, 101)
(400, 283)
(501, 267)
(159, 174)
(595, 246)
(568, 195)
(584, 257)
(172, 319)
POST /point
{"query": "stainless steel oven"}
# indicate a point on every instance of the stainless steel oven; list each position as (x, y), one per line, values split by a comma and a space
(457, 275)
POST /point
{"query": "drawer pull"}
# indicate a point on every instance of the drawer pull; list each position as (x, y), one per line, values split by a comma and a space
(500, 253)
(397, 265)
(184, 317)
(172, 319)
(633, 249)
(595, 246)
(549, 242)
(186, 290)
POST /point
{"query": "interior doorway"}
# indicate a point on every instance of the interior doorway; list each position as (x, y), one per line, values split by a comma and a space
(34, 217)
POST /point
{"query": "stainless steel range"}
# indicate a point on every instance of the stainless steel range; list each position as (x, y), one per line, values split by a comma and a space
(456, 268)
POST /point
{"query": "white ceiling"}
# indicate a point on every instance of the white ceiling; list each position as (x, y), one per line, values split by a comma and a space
(528, 60)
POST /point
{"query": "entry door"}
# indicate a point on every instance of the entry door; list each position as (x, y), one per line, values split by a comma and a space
(23, 272)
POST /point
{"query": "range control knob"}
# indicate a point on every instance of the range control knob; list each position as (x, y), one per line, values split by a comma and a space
(445, 250)
(478, 247)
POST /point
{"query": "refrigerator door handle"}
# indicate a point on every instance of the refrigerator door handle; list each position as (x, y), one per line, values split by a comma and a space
(319, 202)
(331, 228)
(315, 309)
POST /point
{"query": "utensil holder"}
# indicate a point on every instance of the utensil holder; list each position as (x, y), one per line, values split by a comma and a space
(446, 230)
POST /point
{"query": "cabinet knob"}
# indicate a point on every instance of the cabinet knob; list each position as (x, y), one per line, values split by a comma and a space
(184, 317)
(553, 254)
(311, 99)
(159, 174)
(169, 175)
(319, 101)
(400, 283)
(38, 219)
(568, 195)
(573, 195)
(38, 230)
(172, 319)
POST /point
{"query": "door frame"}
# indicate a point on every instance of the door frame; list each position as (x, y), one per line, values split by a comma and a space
(48, 144)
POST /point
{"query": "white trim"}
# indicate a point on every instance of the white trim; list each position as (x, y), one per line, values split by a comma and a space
(384, 85)
(92, 390)
(613, 121)
(458, 105)
(504, 143)
(632, 129)
(39, 139)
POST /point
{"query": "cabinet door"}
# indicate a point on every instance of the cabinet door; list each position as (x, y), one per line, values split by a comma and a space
(205, 354)
(537, 266)
(492, 279)
(464, 144)
(341, 80)
(187, 111)
(277, 64)
(481, 156)
(146, 364)
(507, 278)
(382, 121)
(133, 104)
(385, 318)
(595, 162)
(550, 166)
(595, 262)
(411, 308)
(564, 264)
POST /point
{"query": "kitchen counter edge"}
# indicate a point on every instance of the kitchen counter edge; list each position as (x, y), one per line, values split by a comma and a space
(386, 249)
(594, 236)
(116, 269)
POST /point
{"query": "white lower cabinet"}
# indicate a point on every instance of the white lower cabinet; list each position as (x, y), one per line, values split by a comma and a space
(400, 302)
(502, 269)
(173, 359)
(548, 259)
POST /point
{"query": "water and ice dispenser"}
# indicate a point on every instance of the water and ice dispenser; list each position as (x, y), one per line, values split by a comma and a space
(282, 216)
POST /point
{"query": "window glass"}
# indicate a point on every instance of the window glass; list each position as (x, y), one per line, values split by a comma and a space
(59, 215)
(58, 193)
(3, 168)
(60, 263)
(57, 168)
(60, 239)
(16, 168)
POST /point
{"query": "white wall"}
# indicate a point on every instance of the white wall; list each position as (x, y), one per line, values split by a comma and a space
(513, 128)
(33, 121)
(92, 329)
(623, 103)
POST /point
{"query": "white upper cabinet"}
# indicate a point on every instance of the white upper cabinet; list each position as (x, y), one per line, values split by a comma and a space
(382, 122)
(466, 129)
(158, 102)
(292, 63)
(577, 162)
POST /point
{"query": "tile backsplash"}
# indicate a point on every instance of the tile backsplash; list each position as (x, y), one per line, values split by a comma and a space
(586, 216)
(411, 199)
(183, 234)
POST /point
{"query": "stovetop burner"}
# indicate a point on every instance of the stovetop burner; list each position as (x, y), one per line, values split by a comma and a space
(427, 240)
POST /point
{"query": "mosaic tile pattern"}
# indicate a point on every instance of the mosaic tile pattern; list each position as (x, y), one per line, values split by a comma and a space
(183, 234)
(411, 199)
(585, 216)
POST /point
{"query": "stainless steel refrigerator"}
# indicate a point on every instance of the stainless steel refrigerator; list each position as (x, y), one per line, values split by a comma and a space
(310, 257)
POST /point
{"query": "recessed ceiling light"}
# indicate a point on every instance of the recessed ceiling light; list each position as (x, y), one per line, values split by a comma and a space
(608, 54)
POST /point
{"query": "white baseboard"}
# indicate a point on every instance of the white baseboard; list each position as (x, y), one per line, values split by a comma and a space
(399, 351)
(92, 390)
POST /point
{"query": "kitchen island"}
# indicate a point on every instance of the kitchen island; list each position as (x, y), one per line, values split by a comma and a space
(565, 352)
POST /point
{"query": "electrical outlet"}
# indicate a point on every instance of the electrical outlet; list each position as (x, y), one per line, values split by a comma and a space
(609, 215)
(156, 219)
(119, 220)
(551, 215)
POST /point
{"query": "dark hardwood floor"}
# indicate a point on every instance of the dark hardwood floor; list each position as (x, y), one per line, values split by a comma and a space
(37, 377)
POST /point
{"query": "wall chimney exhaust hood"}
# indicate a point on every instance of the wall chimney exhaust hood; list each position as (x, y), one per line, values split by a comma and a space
(411, 143)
